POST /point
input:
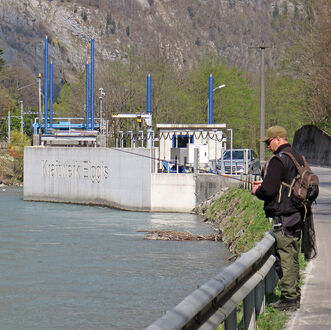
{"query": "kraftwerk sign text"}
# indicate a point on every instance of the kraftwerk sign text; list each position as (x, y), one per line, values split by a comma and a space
(86, 170)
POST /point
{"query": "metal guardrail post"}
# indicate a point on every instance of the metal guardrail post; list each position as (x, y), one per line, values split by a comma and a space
(260, 298)
(270, 280)
(249, 311)
(231, 322)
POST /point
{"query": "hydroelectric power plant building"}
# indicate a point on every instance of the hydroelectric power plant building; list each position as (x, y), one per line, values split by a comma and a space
(169, 170)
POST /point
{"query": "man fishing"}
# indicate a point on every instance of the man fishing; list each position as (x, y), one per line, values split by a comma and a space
(286, 217)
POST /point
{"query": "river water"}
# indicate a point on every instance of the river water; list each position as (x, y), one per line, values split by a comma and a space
(81, 267)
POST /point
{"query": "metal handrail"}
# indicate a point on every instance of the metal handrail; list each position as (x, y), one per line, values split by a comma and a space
(214, 302)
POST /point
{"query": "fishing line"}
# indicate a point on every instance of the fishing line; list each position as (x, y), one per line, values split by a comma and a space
(179, 164)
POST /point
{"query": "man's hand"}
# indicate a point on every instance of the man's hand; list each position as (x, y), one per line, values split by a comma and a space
(255, 186)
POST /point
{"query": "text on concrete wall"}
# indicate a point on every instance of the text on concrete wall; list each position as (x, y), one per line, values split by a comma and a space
(93, 171)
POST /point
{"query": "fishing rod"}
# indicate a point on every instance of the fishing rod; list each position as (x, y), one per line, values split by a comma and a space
(226, 176)
(179, 164)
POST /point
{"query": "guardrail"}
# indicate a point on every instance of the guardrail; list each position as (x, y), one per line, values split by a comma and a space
(248, 279)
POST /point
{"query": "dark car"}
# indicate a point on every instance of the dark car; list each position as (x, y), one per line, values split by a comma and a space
(238, 164)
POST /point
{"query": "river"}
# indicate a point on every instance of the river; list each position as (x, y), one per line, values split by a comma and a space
(67, 266)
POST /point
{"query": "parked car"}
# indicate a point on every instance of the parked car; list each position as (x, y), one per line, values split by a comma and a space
(238, 166)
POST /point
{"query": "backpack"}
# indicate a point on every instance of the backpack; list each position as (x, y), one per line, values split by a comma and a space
(303, 189)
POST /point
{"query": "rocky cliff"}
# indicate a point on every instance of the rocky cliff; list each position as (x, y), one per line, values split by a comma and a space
(176, 31)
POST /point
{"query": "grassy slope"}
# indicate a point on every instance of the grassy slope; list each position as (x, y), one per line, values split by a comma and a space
(240, 217)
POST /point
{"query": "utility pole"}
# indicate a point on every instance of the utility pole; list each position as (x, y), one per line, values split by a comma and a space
(39, 81)
(9, 122)
(262, 47)
(22, 119)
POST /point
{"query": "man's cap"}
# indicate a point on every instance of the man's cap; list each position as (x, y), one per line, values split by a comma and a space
(273, 132)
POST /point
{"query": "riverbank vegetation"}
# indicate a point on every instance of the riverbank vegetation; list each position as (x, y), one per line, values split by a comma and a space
(11, 159)
(240, 218)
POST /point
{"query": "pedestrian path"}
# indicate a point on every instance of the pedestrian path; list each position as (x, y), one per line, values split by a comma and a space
(315, 310)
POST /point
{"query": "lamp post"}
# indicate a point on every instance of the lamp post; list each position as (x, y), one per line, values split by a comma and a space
(231, 147)
(210, 104)
(22, 111)
(102, 94)
(39, 93)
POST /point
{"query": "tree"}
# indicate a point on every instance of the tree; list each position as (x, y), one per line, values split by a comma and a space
(71, 100)
(309, 60)
(285, 102)
(20, 84)
(236, 105)
(317, 64)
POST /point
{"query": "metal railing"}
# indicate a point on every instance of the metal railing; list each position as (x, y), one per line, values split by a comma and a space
(248, 179)
(246, 280)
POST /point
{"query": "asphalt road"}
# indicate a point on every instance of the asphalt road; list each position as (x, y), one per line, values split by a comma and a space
(315, 310)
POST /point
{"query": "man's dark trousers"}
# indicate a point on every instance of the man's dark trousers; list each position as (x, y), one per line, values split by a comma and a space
(287, 249)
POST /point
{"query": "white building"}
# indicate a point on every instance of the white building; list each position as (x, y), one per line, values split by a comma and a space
(178, 141)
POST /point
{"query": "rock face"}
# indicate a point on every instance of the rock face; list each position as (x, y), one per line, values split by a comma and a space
(177, 31)
(314, 144)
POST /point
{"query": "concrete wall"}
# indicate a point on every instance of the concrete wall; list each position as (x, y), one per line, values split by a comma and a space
(120, 178)
(173, 192)
(314, 144)
(207, 185)
(112, 177)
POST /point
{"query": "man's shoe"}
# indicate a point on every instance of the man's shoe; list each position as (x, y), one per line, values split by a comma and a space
(286, 304)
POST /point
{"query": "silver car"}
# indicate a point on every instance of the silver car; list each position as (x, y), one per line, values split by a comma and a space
(238, 164)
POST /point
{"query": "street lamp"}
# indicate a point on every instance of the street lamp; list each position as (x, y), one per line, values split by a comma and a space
(102, 94)
(218, 87)
(39, 97)
(210, 111)
(39, 92)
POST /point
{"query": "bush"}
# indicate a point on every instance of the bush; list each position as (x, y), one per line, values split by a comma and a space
(12, 167)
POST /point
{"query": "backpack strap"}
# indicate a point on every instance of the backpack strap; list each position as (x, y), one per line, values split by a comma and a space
(297, 165)
(290, 186)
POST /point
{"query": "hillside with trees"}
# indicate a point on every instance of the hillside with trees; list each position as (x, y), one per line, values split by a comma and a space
(180, 44)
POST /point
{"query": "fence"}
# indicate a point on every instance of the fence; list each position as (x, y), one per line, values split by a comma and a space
(248, 179)
(246, 280)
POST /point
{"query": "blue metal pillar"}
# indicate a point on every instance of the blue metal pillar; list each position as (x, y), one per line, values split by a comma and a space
(149, 94)
(87, 112)
(92, 84)
(51, 96)
(149, 112)
(46, 85)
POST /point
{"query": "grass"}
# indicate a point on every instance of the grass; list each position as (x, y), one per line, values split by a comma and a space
(240, 217)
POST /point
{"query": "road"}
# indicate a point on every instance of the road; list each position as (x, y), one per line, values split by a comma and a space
(315, 310)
